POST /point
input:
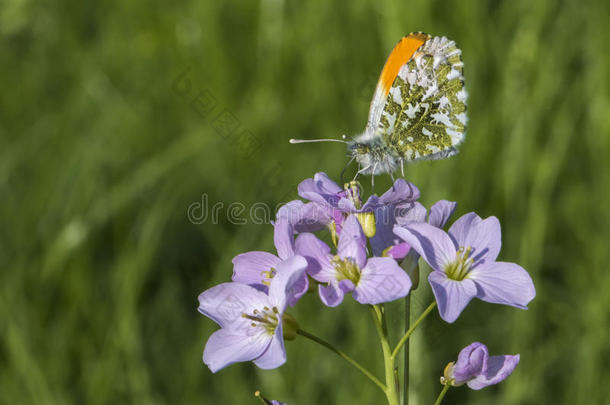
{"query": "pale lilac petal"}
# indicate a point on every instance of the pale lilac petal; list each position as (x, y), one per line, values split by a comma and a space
(251, 267)
(399, 251)
(331, 294)
(384, 230)
(498, 369)
(503, 283)
(432, 243)
(410, 213)
(484, 236)
(352, 242)
(226, 302)
(283, 238)
(381, 280)
(290, 282)
(346, 205)
(401, 191)
(440, 212)
(275, 355)
(306, 217)
(317, 254)
(226, 347)
(320, 189)
(451, 296)
(471, 362)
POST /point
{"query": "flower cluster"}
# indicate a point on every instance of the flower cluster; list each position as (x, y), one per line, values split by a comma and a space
(372, 249)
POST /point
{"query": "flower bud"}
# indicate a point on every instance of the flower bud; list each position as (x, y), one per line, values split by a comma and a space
(367, 221)
(352, 190)
(448, 378)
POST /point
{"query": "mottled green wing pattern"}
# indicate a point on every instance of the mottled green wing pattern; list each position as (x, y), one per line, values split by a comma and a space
(424, 116)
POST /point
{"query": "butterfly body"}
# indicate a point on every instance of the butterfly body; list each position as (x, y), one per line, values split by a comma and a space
(419, 107)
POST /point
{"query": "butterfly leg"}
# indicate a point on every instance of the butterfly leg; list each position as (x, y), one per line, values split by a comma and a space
(360, 171)
(373, 178)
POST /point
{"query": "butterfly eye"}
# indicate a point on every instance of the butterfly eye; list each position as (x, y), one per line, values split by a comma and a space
(362, 148)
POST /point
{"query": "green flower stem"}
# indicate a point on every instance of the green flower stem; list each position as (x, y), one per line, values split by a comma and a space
(411, 329)
(405, 391)
(344, 356)
(442, 395)
(391, 392)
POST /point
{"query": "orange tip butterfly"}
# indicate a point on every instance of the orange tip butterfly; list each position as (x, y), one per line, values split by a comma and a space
(418, 110)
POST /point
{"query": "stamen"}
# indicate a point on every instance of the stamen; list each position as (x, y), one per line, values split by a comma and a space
(461, 266)
(347, 269)
(268, 319)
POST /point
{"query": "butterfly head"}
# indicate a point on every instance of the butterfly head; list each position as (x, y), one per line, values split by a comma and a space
(372, 155)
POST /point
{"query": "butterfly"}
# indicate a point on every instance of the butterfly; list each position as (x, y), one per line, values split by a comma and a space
(418, 110)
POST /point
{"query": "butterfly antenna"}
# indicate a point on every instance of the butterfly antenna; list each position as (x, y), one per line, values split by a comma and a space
(316, 140)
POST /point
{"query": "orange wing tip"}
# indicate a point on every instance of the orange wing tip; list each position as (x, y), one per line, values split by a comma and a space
(402, 52)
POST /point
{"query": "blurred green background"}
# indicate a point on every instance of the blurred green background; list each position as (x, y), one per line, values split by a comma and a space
(116, 117)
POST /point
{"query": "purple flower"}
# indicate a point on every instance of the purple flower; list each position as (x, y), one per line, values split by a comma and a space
(335, 203)
(372, 281)
(464, 264)
(257, 268)
(250, 320)
(477, 369)
(386, 243)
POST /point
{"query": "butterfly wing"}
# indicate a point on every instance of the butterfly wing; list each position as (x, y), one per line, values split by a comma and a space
(424, 113)
(402, 52)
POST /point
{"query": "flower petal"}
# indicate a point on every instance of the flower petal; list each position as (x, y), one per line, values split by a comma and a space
(381, 280)
(352, 242)
(317, 254)
(306, 217)
(275, 355)
(226, 302)
(484, 236)
(472, 361)
(399, 251)
(503, 283)
(320, 189)
(384, 230)
(451, 296)
(283, 238)
(290, 282)
(432, 243)
(440, 212)
(498, 369)
(401, 191)
(410, 213)
(226, 347)
(250, 267)
(331, 294)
